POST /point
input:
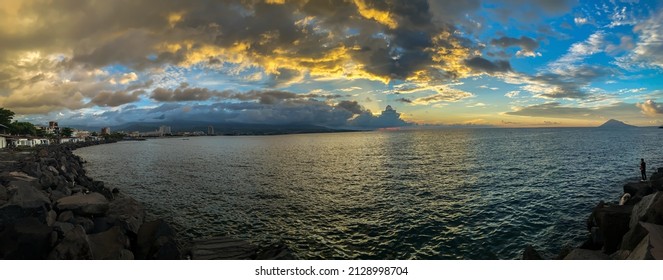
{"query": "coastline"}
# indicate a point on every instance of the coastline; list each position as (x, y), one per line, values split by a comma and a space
(50, 209)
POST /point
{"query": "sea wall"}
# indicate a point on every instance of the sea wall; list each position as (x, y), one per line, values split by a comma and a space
(49, 209)
(629, 228)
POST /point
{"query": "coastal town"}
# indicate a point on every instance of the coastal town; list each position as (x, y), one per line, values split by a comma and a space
(25, 134)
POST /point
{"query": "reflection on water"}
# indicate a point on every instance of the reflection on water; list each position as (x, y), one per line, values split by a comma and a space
(424, 194)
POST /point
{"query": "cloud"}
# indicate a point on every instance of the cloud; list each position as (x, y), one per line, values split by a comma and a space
(528, 45)
(351, 106)
(404, 100)
(512, 94)
(648, 50)
(482, 65)
(388, 118)
(443, 95)
(114, 99)
(594, 44)
(650, 108)
(580, 21)
(186, 93)
(557, 110)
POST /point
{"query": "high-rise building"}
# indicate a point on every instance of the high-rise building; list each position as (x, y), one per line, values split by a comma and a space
(210, 130)
(105, 131)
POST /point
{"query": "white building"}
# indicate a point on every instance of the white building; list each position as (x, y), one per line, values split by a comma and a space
(3, 142)
(165, 130)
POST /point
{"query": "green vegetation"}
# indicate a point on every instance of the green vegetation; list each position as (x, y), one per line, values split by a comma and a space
(66, 132)
(22, 128)
(114, 136)
(6, 117)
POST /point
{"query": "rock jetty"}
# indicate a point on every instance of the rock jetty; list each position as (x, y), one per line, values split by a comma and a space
(49, 209)
(631, 229)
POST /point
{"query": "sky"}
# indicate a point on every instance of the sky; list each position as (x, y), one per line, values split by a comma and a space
(507, 63)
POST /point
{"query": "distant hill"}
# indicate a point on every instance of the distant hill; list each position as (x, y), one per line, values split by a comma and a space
(226, 128)
(612, 123)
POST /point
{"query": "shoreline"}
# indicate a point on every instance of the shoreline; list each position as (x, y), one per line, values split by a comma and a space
(50, 209)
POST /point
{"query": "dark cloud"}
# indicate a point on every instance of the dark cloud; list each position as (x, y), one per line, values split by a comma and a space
(528, 45)
(117, 98)
(482, 65)
(388, 118)
(185, 93)
(404, 100)
(351, 106)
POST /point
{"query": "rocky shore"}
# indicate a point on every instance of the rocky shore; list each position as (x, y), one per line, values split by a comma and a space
(630, 228)
(49, 209)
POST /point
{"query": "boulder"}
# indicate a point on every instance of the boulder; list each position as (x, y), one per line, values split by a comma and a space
(531, 254)
(25, 239)
(109, 245)
(86, 223)
(17, 176)
(128, 212)
(584, 254)
(90, 204)
(620, 255)
(638, 189)
(656, 180)
(651, 247)
(654, 213)
(51, 218)
(55, 195)
(74, 246)
(156, 241)
(24, 194)
(613, 223)
(24, 201)
(62, 228)
(66, 216)
(633, 237)
(4, 196)
(641, 209)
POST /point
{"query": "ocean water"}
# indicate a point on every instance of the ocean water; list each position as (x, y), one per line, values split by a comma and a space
(415, 194)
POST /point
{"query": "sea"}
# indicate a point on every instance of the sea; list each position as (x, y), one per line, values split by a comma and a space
(444, 194)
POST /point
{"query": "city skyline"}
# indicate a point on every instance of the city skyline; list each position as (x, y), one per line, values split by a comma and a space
(510, 63)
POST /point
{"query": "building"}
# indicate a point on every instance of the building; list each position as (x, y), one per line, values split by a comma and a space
(3, 142)
(210, 130)
(105, 131)
(53, 128)
(165, 130)
(80, 133)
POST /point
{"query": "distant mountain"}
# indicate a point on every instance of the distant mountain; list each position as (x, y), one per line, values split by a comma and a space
(221, 128)
(612, 123)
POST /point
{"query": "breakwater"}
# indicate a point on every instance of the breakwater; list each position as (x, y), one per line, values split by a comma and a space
(50, 209)
(630, 228)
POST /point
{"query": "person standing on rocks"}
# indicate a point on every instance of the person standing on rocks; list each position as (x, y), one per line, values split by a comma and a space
(643, 169)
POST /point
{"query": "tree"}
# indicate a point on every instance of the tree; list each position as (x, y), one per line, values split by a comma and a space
(22, 128)
(6, 117)
(66, 132)
(94, 133)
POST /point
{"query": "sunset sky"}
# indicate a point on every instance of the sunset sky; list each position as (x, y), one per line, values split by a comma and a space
(334, 63)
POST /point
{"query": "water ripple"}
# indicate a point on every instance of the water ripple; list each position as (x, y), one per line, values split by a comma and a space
(426, 194)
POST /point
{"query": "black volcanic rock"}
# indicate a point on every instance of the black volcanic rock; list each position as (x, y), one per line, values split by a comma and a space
(612, 123)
